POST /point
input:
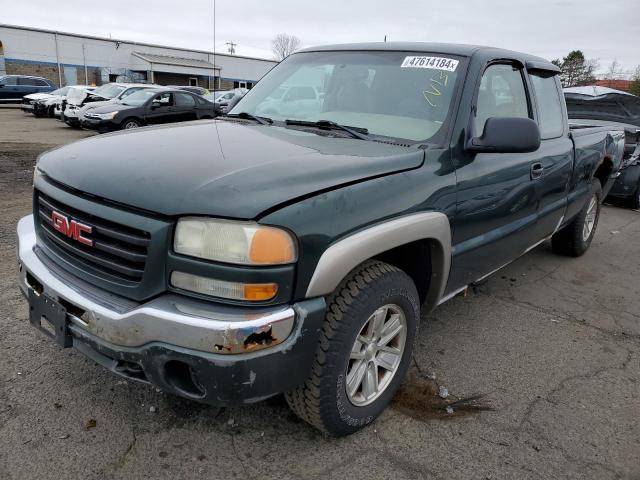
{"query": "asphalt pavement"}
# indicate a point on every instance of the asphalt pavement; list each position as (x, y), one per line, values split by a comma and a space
(544, 358)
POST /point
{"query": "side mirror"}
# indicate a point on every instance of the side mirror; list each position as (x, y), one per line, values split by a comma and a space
(507, 135)
(155, 105)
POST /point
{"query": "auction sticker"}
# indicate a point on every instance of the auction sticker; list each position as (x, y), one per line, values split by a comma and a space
(436, 63)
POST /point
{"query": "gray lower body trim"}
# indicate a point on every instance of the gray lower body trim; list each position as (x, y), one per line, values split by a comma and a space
(343, 256)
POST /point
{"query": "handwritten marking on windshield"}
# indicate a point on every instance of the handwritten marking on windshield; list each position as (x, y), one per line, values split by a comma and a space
(438, 82)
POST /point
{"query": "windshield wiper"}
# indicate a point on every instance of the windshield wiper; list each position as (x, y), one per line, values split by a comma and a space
(355, 132)
(249, 116)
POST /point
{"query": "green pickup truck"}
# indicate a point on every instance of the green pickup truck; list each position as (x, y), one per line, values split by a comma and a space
(292, 245)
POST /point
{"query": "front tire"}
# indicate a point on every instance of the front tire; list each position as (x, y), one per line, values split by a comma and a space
(364, 350)
(574, 239)
(129, 124)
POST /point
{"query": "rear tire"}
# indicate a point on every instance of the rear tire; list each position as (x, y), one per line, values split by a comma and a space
(364, 350)
(575, 239)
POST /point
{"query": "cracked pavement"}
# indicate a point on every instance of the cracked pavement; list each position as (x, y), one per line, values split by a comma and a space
(552, 342)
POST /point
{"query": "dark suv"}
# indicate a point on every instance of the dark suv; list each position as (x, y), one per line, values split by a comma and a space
(14, 87)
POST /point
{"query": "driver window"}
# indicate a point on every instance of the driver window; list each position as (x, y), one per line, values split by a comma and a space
(164, 100)
(502, 94)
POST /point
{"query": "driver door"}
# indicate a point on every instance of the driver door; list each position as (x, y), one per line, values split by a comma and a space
(497, 199)
(161, 109)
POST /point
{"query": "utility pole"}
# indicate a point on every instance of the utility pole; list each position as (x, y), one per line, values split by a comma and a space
(232, 47)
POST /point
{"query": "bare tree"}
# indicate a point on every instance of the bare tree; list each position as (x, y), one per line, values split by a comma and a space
(284, 45)
(614, 71)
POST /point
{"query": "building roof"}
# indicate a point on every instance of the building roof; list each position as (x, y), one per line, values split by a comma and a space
(131, 42)
(178, 61)
(594, 91)
(623, 85)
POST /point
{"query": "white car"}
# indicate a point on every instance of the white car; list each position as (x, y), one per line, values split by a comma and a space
(78, 103)
(28, 101)
(222, 99)
(301, 100)
(49, 105)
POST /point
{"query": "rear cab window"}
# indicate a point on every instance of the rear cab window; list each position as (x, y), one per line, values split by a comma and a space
(547, 93)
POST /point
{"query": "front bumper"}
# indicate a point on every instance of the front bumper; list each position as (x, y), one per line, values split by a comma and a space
(26, 107)
(196, 349)
(71, 116)
(98, 124)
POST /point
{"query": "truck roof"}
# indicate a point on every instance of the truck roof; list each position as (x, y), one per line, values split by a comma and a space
(463, 50)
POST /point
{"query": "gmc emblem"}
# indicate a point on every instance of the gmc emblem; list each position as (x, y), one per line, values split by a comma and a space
(71, 228)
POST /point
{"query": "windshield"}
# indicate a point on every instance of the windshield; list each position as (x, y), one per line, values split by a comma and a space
(138, 98)
(392, 94)
(76, 94)
(61, 91)
(108, 91)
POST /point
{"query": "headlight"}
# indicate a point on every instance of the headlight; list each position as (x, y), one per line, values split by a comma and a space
(103, 116)
(243, 243)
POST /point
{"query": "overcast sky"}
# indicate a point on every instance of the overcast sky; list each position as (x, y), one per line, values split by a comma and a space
(603, 29)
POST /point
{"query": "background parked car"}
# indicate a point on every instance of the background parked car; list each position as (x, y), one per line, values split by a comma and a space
(14, 87)
(77, 105)
(302, 99)
(594, 105)
(29, 101)
(223, 99)
(45, 104)
(150, 106)
(189, 88)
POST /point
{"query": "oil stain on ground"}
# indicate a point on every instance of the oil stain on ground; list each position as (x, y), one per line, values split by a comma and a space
(419, 398)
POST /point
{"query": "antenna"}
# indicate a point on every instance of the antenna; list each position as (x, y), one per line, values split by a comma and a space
(214, 46)
(232, 47)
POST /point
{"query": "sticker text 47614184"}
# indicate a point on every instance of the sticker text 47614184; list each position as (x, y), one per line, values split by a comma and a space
(436, 63)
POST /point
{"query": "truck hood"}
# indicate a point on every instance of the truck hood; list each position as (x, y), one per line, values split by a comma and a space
(219, 168)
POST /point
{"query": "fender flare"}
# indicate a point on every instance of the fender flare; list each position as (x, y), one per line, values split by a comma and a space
(347, 253)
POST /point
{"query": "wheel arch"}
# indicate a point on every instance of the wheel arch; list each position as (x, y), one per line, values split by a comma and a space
(419, 244)
(604, 171)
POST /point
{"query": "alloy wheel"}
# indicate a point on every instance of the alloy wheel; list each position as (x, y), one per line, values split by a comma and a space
(376, 355)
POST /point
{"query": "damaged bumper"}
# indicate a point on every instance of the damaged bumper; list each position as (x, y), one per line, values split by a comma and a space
(201, 350)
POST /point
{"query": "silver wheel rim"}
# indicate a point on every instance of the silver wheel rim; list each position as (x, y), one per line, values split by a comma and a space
(376, 355)
(130, 125)
(590, 218)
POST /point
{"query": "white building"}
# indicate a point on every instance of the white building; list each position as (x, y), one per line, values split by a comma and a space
(69, 59)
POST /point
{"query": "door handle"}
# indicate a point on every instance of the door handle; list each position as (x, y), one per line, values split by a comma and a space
(537, 170)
